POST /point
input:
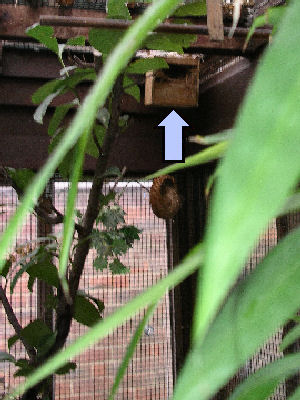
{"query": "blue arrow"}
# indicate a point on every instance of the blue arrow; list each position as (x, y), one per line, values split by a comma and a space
(173, 137)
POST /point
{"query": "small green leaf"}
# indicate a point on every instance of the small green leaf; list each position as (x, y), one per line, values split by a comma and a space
(44, 34)
(191, 9)
(79, 75)
(103, 116)
(117, 267)
(99, 303)
(131, 233)
(119, 246)
(117, 9)
(21, 177)
(111, 216)
(76, 41)
(6, 357)
(105, 199)
(49, 88)
(123, 120)
(143, 65)
(85, 312)
(65, 369)
(91, 147)
(6, 268)
(104, 40)
(24, 367)
(272, 16)
(100, 263)
(112, 171)
(131, 88)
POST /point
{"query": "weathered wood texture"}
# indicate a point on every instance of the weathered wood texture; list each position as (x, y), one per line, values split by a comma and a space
(215, 19)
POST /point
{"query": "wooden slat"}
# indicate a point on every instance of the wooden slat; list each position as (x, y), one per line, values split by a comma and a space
(215, 19)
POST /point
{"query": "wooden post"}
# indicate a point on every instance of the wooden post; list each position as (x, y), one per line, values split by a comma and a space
(215, 19)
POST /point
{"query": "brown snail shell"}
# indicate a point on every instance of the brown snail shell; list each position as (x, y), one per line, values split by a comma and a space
(164, 197)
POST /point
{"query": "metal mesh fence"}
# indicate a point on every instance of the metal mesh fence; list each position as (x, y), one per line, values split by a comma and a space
(150, 374)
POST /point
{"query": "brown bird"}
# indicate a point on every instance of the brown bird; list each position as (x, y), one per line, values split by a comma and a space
(164, 197)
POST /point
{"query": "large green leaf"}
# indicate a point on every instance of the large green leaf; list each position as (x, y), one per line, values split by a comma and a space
(104, 40)
(44, 34)
(85, 312)
(169, 42)
(255, 309)
(261, 385)
(260, 168)
(35, 333)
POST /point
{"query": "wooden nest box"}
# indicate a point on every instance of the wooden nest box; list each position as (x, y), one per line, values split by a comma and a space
(177, 86)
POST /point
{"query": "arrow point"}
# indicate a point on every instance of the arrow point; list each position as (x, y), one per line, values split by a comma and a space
(173, 119)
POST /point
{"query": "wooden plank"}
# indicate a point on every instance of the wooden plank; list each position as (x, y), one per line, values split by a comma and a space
(15, 20)
(215, 19)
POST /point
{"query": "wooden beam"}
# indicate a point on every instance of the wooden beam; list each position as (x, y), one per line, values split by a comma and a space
(15, 20)
(215, 19)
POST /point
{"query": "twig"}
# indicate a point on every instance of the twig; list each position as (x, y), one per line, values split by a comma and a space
(15, 324)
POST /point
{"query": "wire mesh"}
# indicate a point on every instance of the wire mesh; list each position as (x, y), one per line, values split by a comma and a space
(22, 301)
(149, 375)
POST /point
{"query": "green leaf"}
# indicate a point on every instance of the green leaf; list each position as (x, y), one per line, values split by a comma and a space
(262, 157)
(210, 154)
(191, 9)
(58, 116)
(85, 312)
(272, 16)
(290, 338)
(130, 350)
(46, 90)
(131, 233)
(110, 322)
(212, 139)
(66, 166)
(76, 41)
(111, 216)
(254, 310)
(105, 199)
(117, 267)
(112, 171)
(21, 177)
(46, 272)
(25, 368)
(65, 369)
(117, 9)
(91, 147)
(261, 385)
(44, 35)
(6, 268)
(131, 88)
(99, 303)
(79, 75)
(104, 40)
(119, 246)
(100, 263)
(169, 42)
(143, 65)
(42, 108)
(6, 357)
(35, 333)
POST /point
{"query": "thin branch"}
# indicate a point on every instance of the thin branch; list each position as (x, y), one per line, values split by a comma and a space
(15, 324)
